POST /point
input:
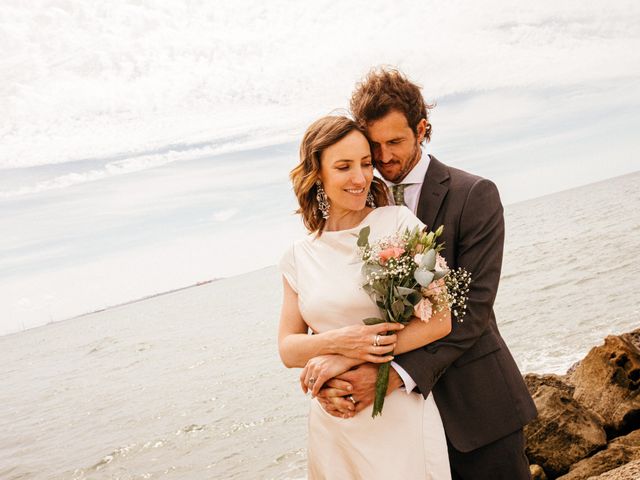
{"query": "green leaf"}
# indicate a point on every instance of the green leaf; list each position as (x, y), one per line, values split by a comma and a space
(390, 316)
(369, 268)
(382, 383)
(397, 308)
(363, 236)
(404, 291)
(429, 260)
(379, 289)
(372, 321)
(438, 274)
(414, 298)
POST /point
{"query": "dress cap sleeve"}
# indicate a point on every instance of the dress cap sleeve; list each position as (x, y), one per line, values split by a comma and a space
(287, 266)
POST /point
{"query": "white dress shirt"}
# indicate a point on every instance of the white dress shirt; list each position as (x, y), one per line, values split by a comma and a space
(413, 182)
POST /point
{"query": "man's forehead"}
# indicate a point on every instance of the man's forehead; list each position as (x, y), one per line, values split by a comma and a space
(392, 124)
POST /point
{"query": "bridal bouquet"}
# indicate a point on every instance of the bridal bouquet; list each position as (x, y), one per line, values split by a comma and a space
(406, 276)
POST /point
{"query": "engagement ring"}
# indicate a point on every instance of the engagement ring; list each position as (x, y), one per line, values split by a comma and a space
(312, 381)
(353, 400)
(376, 341)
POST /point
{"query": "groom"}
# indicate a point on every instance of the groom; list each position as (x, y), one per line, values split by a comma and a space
(482, 398)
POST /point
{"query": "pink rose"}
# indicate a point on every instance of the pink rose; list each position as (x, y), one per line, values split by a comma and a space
(434, 289)
(441, 263)
(423, 310)
(386, 254)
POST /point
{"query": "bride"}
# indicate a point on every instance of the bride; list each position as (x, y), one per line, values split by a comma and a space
(338, 195)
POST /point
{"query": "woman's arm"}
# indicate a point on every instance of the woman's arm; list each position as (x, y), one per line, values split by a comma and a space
(355, 342)
(415, 335)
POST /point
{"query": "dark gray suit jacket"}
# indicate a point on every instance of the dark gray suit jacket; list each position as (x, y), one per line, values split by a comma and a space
(475, 381)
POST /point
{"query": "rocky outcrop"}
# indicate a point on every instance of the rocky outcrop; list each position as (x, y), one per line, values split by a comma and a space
(619, 452)
(630, 471)
(564, 431)
(607, 381)
(598, 398)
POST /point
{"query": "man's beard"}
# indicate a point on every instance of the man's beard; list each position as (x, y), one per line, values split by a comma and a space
(415, 158)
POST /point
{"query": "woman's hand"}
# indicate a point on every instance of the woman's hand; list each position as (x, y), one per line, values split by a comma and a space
(322, 368)
(365, 342)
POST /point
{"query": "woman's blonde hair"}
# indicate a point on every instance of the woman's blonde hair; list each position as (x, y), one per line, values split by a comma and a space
(320, 135)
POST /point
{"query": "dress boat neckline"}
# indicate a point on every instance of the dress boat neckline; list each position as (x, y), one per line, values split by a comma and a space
(359, 225)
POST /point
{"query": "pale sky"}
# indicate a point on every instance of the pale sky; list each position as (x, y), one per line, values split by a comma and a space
(120, 119)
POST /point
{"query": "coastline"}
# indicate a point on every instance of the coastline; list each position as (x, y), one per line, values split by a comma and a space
(508, 208)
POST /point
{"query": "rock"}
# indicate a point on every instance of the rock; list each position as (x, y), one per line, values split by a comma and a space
(607, 381)
(535, 381)
(630, 471)
(620, 451)
(537, 473)
(564, 431)
(634, 337)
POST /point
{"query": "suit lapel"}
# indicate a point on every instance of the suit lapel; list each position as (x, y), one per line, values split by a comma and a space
(433, 192)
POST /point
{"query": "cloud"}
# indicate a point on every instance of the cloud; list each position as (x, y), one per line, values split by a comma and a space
(89, 81)
(224, 215)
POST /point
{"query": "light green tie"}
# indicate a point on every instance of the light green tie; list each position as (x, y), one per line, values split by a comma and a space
(398, 193)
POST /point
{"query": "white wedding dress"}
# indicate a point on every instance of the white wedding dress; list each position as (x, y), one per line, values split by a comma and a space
(407, 440)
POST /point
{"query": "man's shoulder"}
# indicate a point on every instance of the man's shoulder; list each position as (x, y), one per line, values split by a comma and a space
(459, 179)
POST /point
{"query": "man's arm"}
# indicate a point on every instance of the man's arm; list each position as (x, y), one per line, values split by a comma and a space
(480, 247)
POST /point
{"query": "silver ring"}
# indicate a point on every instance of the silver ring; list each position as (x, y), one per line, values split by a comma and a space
(353, 400)
(376, 341)
(312, 381)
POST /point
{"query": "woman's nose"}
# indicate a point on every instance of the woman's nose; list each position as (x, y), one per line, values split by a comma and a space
(358, 177)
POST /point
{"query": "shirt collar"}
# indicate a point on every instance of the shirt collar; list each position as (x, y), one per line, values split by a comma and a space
(417, 173)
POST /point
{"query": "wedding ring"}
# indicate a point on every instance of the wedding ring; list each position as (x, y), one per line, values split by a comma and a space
(376, 341)
(353, 400)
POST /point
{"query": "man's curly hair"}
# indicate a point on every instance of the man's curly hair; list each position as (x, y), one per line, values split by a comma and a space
(385, 89)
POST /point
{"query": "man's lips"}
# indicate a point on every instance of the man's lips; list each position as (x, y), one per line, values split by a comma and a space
(383, 166)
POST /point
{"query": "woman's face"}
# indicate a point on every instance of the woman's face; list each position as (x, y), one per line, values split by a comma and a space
(346, 173)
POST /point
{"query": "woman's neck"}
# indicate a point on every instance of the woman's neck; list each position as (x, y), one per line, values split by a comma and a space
(346, 219)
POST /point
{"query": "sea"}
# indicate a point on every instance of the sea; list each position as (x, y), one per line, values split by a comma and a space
(189, 385)
(145, 146)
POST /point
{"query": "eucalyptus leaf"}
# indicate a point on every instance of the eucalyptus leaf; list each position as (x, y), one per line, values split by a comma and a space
(428, 260)
(423, 277)
(438, 274)
(397, 308)
(372, 321)
(404, 291)
(363, 236)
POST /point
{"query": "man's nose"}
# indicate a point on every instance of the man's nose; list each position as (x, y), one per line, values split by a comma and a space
(383, 154)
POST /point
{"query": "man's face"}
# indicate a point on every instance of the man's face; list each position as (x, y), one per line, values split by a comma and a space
(395, 148)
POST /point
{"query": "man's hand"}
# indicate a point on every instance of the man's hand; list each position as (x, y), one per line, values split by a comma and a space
(362, 380)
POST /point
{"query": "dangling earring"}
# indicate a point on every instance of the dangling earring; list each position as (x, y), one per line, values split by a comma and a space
(370, 200)
(323, 201)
